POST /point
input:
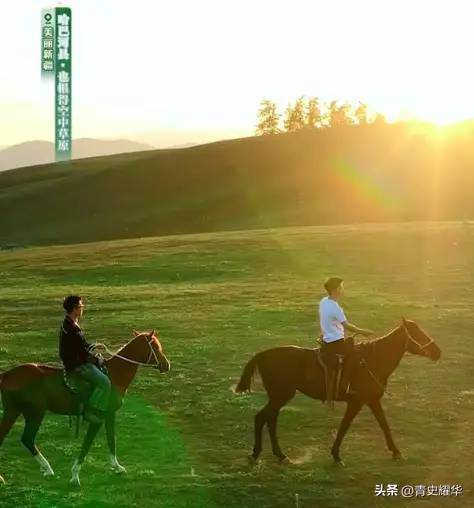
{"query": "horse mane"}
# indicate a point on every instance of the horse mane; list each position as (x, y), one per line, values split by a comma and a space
(130, 341)
(368, 346)
(377, 340)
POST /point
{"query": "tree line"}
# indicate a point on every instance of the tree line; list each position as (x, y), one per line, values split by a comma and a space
(312, 113)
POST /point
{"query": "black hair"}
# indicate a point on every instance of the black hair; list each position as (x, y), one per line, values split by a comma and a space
(70, 302)
(332, 283)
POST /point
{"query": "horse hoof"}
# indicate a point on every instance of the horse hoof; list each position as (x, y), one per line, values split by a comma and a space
(339, 463)
(48, 473)
(398, 456)
(252, 461)
(119, 469)
(285, 461)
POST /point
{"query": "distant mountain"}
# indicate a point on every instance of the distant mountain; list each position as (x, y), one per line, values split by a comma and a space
(173, 137)
(33, 153)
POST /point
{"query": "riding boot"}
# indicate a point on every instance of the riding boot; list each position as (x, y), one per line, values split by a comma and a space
(347, 374)
(343, 386)
(330, 378)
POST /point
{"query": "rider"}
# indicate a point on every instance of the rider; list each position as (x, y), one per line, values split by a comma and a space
(74, 352)
(333, 325)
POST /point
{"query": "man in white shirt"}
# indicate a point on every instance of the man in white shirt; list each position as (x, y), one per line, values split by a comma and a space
(333, 326)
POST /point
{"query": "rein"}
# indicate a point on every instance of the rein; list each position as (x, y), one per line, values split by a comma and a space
(372, 375)
(129, 360)
(408, 338)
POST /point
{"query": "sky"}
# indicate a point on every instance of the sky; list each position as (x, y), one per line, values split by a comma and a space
(145, 67)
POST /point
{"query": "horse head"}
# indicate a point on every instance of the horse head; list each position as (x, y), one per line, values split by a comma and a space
(152, 350)
(418, 342)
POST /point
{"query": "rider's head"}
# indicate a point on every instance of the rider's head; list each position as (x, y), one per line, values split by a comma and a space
(73, 305)
(335, 287)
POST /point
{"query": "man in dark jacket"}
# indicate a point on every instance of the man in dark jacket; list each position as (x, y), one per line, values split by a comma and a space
(75, 355)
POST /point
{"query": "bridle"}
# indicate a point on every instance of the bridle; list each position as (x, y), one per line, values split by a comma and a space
(409, 337)
(151, 355)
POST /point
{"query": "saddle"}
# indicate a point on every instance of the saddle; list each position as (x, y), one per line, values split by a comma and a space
(358, 351)
(354, 356)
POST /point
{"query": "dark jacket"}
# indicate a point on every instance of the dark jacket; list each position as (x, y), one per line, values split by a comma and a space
(73, 347)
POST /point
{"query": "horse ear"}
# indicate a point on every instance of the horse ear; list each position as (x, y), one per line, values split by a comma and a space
(135, 333)
(404, 321)
(152, 333)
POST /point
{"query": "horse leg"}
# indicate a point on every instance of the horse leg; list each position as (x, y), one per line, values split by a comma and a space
(379, 414)
(110, 430)
(259, 422)
(32, 425)
(8, 420)
(86, 445)
(353, 407)
(272, 420)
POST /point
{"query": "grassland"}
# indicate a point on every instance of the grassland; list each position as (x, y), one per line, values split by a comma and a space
(216, 299)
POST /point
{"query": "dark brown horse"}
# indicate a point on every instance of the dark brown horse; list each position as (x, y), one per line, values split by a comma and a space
(33, 389)
(286, 369)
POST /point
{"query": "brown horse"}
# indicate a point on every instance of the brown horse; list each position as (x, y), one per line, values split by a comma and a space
(31, 390)
(284, 370)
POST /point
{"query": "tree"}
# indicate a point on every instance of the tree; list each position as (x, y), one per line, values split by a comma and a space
(268, 118)
(346, 114)
(288, 120)
(361, 113)
(295, 116)
(299, 113)
(313, 113)
(338, 115)
(326, 114)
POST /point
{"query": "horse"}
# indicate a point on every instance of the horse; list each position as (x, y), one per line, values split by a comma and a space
(284, 370)
(32, 389)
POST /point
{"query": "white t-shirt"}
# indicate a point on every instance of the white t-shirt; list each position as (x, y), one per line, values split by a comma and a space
(331, 317)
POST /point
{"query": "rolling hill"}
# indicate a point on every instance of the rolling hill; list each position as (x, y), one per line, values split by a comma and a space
(371, 173)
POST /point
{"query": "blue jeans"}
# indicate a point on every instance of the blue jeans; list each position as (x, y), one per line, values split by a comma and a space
(101, 395)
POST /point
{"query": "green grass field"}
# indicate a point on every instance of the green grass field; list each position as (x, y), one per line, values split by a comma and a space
(216, 299)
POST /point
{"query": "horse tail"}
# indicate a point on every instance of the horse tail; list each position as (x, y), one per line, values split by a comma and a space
(247, 374)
